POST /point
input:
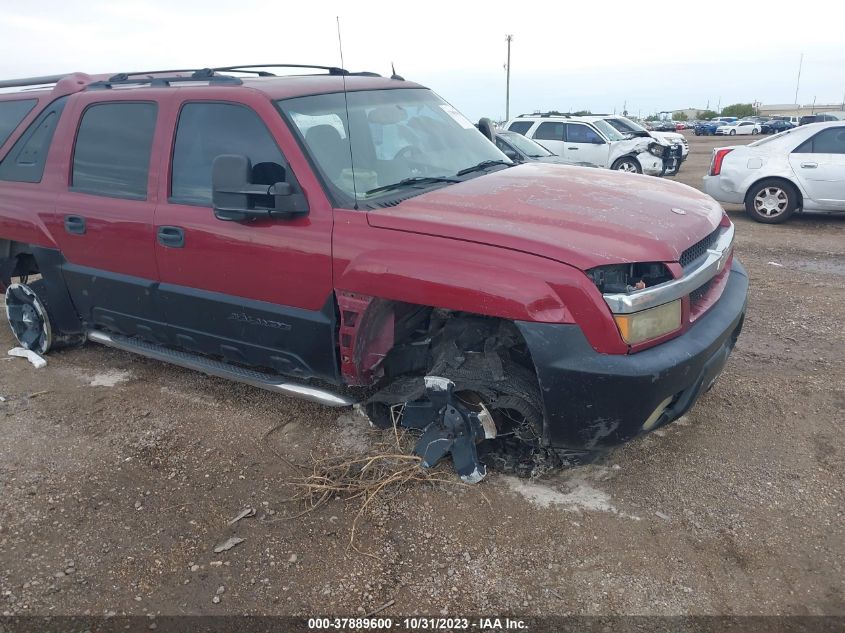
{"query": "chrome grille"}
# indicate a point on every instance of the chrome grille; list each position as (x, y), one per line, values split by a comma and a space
(699, 249)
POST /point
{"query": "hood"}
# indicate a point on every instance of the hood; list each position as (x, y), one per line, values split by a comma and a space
(634, 145)
(668, 136)
(575, 215)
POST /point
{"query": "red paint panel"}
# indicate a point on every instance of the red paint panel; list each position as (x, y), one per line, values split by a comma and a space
(287, 262)
(465, 276)
(579, 216)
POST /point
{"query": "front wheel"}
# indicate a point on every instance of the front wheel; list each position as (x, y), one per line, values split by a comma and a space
(771, 201)
(628, 164)
(733, 132)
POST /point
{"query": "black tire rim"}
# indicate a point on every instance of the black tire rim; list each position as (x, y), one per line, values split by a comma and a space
(28, 318)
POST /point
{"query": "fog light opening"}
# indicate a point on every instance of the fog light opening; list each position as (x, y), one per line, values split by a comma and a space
(655, 416)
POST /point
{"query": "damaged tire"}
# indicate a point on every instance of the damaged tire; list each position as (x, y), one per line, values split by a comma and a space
(491, 384)
(28, 313)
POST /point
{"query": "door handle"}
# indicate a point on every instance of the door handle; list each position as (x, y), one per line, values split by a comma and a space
(571, 148)
(75, 224)
(809, 165)
(171, 236)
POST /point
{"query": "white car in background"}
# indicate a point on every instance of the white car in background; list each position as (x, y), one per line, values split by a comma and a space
(591, 139)
(798, 169)
(738, 127)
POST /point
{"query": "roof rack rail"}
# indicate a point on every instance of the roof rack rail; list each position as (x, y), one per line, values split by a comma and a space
(546, 114)
(124, 79)
(250, 68)
(163, 78)
(31, 81)
(563, 115)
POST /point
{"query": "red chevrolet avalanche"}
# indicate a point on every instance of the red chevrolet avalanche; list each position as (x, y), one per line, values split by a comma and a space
(353, 239)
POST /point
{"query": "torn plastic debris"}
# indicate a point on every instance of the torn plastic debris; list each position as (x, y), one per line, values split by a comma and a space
(228, 544)
(447, 427)
(31, 356)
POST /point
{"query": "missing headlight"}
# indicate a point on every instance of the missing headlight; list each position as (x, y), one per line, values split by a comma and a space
(628, 277)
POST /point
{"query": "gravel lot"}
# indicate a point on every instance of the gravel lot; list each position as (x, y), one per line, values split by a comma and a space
(119, 476)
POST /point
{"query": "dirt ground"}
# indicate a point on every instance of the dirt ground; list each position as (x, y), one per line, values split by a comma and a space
(119, 476)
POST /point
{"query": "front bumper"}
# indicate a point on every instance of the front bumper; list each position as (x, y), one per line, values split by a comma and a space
(650, 164)
(672, 160)
(595, 400)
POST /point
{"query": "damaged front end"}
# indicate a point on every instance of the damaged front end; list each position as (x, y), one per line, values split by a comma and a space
(467, 386)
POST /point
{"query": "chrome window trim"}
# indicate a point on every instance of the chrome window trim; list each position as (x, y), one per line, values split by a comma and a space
(712, 265)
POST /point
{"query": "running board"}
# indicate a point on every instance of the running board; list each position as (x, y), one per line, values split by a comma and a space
(219, 369)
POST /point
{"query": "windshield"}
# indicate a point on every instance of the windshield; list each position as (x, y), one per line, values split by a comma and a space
(395, 135)
(526, 145)
(608, 130)
(626, 126)
(774, 137)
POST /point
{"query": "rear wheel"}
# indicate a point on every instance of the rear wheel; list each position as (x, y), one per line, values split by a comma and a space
(28, 317)
(771, 201)
(628, 164)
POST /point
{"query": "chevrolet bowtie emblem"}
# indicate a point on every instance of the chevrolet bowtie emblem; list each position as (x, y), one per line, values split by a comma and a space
(678, 211)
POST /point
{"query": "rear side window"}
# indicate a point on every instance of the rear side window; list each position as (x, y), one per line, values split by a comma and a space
(207, 130)
(521, 127)
(25, 161)
(113, 147)
(549, 131)
(11, 115)
(829, 141)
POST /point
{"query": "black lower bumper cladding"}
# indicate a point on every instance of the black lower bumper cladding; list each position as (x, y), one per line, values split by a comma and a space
(595, 400)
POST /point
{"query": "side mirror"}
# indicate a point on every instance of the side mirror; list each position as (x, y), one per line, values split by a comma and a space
(597, 141)
(237, 199)
(512, 155)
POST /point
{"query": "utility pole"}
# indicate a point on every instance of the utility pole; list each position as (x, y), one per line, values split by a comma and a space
(508, 38)
(798, 81)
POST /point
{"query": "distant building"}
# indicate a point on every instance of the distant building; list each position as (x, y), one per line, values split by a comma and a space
(794, 109)
(668, 115)
(691, 113)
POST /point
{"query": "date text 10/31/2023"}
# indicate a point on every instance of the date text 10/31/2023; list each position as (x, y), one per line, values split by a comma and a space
(418, 624)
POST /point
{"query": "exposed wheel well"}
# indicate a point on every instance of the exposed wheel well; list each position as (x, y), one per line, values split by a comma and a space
(16, 260)
(416, 328)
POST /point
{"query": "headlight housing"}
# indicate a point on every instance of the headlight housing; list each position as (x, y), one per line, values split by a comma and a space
(656, 150)
(653, 323)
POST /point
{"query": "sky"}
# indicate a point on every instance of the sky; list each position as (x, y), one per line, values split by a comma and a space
(598, 56)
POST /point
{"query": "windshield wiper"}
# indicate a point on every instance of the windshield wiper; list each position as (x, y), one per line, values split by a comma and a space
(407, 182)
(483, 165)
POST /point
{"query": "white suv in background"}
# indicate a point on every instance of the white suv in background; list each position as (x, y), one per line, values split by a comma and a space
(632, 128)
(591, 139)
